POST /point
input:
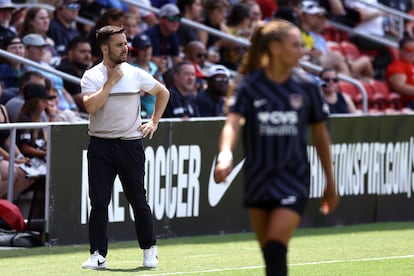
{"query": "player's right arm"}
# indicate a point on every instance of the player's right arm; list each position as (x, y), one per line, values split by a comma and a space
(228, 139)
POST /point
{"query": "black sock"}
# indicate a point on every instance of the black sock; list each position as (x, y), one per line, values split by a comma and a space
(275, 255)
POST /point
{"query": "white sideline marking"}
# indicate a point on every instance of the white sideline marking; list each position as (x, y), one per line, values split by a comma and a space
(355, 260)
(298, 264)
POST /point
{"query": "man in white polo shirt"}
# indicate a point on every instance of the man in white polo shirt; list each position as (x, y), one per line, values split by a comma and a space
(111, 97)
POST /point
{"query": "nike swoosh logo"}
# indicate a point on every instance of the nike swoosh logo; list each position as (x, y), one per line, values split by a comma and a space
(216, 191)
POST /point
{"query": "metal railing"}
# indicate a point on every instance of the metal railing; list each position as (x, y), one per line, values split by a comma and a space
(10, 182)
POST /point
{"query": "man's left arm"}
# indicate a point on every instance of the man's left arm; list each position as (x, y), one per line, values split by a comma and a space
(162, 96)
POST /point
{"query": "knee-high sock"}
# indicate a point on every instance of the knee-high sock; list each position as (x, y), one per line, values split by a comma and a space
(275, 255)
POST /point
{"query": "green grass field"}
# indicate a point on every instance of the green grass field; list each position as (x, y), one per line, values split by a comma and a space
(370, 249)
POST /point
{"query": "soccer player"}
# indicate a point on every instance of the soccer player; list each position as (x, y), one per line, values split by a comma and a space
(276, 102)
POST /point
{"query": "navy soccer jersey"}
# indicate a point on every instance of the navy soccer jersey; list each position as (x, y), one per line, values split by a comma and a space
(275, 134)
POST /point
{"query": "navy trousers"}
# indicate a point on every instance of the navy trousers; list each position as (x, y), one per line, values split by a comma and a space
(108, 158)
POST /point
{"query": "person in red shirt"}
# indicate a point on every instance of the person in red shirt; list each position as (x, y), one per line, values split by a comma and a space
(400, 73)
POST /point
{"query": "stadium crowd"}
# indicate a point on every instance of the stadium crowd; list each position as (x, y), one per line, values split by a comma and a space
(196, 66)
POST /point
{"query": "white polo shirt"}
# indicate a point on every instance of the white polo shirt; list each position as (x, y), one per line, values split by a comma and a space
(120, 116)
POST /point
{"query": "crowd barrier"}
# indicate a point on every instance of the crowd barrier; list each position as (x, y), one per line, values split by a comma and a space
(373, 158)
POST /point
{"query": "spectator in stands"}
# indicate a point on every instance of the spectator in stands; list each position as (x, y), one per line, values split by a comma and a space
(211, 101)
(400, 73)
(10, 69)
(255, 13)
(239, 23)
(215, 17)
(164, 36)
(35, 47)
(313, 21)
(54, 114)
(182, 102)
(37, 21)
(289, 10)
(132, 26)
(114, 17)
(148, 18)
(196, 52)
(267, 8)
(21, 182)
(32, 142)
(141, 53)
(14, 105)
(338, 102)
(62, 28)
(6, 11)
(77, 60)
(371, 24)
(191, 10)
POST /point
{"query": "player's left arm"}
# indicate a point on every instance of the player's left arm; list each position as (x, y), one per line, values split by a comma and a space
(322, 143)
(162, 96)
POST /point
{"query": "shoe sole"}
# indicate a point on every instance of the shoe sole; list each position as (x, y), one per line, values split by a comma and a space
(94, 267)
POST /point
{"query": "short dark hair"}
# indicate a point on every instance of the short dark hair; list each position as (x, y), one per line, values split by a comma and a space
(177, 67)
(104, 34)
(327, 69)
(25, 78)
(75, 41)
(404, 41)
(181, 4)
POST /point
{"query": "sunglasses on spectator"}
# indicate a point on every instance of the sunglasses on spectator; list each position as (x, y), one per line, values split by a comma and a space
(221, 79)
(335, 80)
(173, 18)
(409, 49)
(201, 55)
(72, 6)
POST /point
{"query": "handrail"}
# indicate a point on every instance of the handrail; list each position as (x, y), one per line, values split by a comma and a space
(387, 9)
(61, 74)
(382, 40)
(13, 127)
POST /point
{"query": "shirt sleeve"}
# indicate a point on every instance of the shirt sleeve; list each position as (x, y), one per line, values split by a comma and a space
(87, 83)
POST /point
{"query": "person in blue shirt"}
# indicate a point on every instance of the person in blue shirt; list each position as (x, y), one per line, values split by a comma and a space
(11, 70)
(164, 38)
(62, 28)
(276, 103)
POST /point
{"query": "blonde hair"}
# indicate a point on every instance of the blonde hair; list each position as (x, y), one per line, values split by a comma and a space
(258, 53)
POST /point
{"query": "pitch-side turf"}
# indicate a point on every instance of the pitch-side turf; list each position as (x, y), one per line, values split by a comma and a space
(369, 249)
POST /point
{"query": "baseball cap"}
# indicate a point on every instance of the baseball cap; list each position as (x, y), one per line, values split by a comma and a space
(168, 10)
(60, 3)
(312, 7)
(6, 4)
(34, 40)
(10, 40)
(141, 41)
(34, 90)
(217, 70)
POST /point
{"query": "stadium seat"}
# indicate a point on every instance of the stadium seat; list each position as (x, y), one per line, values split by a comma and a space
(350, 50)
(330, 33)
(389, 100)
(334, 46)
(375, 100)
(394, 53)
(352, 91)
